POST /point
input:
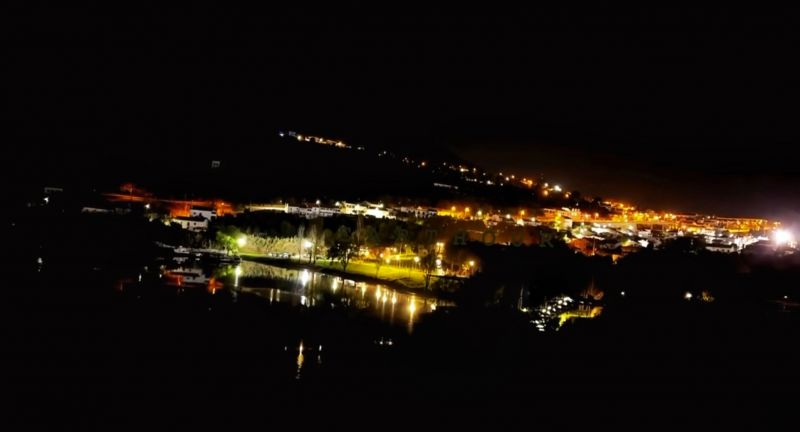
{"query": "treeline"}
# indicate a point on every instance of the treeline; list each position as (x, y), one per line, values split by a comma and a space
(57, 235)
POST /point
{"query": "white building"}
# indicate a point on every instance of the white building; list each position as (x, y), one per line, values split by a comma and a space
(368, 209)
(313, 212)
(722, 247)
(197, 223)
(206, 213)
(417, 212)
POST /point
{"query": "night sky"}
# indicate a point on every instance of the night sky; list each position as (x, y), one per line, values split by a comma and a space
(687, 111)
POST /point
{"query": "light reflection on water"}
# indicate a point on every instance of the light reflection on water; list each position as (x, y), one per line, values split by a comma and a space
(303, 288)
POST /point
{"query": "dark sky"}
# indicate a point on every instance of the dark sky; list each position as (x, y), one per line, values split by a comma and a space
(687, 110)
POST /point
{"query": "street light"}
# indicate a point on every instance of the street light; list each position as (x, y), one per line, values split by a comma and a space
(241, 241)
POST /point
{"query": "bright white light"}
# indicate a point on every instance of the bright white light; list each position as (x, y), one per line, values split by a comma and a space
(688, 295)
(438, 263)
(782, 237)
(557, 188)
(241, 241)
(307, 244)
(305, 277)
(238, 270)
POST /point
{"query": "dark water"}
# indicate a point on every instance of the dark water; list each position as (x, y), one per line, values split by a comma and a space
(106, 339)
(303, 288)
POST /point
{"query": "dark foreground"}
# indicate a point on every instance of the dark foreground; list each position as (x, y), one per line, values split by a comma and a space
(75, 340)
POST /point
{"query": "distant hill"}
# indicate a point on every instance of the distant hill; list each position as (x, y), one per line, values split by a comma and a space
(264, 170)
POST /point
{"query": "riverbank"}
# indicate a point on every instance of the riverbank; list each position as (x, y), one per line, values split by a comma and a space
(402, 279)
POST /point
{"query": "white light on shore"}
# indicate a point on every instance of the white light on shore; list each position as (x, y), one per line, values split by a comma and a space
(782, 237)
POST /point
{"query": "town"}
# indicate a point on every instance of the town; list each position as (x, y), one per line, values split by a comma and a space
(613, 231)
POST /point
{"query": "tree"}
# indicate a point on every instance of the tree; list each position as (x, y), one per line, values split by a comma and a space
(287, 229)
(342, 252)
(428, 265)
(301, 230)
(386, 233)
(371, 236)
(684, 245)
(327, 239)
(315, 234)
(226, 238)
(343, 234)
(342, 248)
(360, 237)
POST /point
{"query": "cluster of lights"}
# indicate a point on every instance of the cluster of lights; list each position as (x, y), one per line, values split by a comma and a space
(550, 310)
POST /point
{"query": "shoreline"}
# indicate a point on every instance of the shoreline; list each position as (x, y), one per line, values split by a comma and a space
(291, 264)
